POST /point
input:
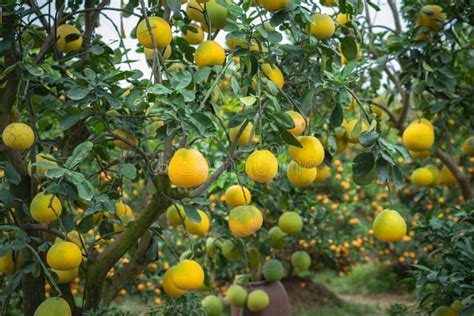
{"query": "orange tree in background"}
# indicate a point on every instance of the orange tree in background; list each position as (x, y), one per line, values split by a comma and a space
(77, 130)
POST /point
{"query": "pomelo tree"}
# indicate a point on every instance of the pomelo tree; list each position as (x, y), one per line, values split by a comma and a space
(95, 156)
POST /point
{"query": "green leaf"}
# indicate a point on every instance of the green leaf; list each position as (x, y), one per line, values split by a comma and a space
(248, 101)
(283, 120)
(12, 175)
(382, 169)
(6, 198)
(363, 163)
(127, 170)
(181, 80)
(78, 93)
(336, 116)
(349, 48)
(367, 139)
(33, 70)
(79, 154)
(159, 89)
(192, 214)
(202, 74)
(289, 138)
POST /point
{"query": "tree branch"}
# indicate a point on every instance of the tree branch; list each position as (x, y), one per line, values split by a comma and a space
(396, 16)
(129, 271)
(462, 179)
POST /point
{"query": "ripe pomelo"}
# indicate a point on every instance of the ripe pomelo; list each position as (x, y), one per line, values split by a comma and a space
(69, 38)
(188, 275)
(389, 226)
(64, 256)
(160, 29)
(18, 136)
(45, 208)
(237, 195)
(198, 229)
(261, 166)
(245, 220)
(312, 153)
(300, 176)
(188, 168)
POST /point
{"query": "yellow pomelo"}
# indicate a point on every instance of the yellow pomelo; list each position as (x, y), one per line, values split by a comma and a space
(329, 3)
(198, 229)
(422, 177)
(300, 176)
(11, 262)
(244, 138)
(160, 29)
(42, 158)
(436, 174)
(75, 237)
(188, 275)
(168, 286)
(165, 53)
(64, 256)
(323, 173)
(300, 123)
(245, 220)
(389, 226)
(290, 223)
(447, 177)
(172, 215)
(420, 154)
(237, 195)
(468, 146)
(54, 306)
(432, 17)
(344, 18)
(188, 168)
(274, 74)
(45, 208)
(194, 35)
(257, 300)
(131, 139)
(18, 136)
(208, 54)
(323, 26)
(66, 276)
(273, 5)
(444, 311)
(236, 295)
(418, 136)
(123, 209)
(217, 14)
(354, 139)
(312, 153)
(69, 38)
(261, 166)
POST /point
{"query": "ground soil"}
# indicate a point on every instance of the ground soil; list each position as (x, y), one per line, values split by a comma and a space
(304, 293)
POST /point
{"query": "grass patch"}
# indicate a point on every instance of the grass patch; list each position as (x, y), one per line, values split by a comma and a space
(364, 279)
(346, 309)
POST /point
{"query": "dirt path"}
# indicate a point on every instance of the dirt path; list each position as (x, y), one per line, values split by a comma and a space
(384, 300)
